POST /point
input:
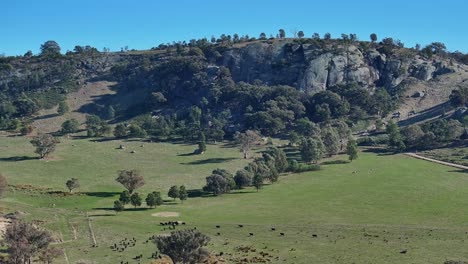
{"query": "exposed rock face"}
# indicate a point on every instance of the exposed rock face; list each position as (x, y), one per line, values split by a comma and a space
(312, 68)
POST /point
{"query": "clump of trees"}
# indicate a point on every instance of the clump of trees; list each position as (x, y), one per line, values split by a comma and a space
(154, 199)
(96, 127)
(184, 246)
(25, 241)
(45, 144)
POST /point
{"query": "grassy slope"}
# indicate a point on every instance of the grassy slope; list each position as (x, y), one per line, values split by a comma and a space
(392, 198)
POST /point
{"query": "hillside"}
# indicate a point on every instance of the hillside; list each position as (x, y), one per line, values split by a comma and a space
(418, 82)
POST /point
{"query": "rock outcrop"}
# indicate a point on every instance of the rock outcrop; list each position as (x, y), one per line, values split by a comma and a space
(314, 68)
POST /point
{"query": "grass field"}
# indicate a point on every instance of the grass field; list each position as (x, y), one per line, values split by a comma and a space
(389, 204)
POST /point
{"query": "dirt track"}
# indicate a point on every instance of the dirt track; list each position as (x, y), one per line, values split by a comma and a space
(414, 155)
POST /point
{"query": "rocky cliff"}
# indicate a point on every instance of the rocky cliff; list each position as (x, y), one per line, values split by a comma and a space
(313, 68)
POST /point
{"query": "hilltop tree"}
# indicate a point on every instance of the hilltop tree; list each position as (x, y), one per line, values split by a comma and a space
(183, 195)
(243, 178)
(282, 33)
(327, 36)
(173, 192)
(373, 37)
(352, 150)
(300, 34)
(45, 144)
(130, 179)
(262, 36)
(24, 241)
(3, 185)
(72, 184)
(125, 197)
(62, 108)
(247, 140)
(119, 206)
(185, 246)
(311, 149)
(135, 199)
(70, 126)
(50, 48)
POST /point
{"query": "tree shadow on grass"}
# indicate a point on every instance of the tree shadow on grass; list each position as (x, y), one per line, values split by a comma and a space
(379, 151)
(208, 161)
(459, 171)
(101, 194)
(132, 209)
(334, 162)
(18, 158)
(187, 154)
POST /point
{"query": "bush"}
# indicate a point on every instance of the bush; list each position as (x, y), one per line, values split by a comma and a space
(373, 140)
(297, 167)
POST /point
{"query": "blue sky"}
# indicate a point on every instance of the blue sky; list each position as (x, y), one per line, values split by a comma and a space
(146, 23)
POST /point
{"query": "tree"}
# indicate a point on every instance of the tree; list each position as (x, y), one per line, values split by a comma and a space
(262, 36)
(183, 195)
(109, 112)
(247, 140)
(137, 132)
(216, 184)
(25, 241)
(257, 181)
(154, 199)
(135, 199)
(413, 135)
(330, 140)
(50, 48)
(459, 97)
(395, 140)
(300, 34)
(243, 178)
(151, 200)
(279, 160)
(282, 33)
(352, 150)
(327, 36)
(125, 197)
(373, 37)
(70, 126)
(202, 144)
(311, 149)
(96, 127)
(45, 144)
(119, 206)
(120, 131)
(72, 184)
(62, 108)
(130, 179)
(173, 192)
(3, 185)
(48, 255)
(184, 246)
